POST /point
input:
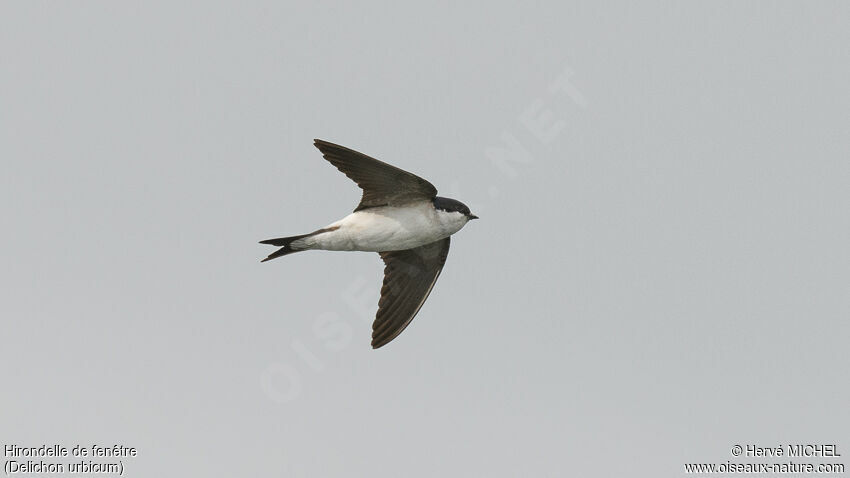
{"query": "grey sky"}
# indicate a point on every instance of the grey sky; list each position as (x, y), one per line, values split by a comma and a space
(660, 271)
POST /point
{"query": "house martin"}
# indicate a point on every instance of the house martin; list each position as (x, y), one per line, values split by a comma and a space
(401, 218)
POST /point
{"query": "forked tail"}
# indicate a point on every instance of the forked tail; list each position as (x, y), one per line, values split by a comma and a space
(285, 244)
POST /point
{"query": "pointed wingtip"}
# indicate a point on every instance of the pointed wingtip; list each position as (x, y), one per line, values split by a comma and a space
(381, 341)
(324, 146)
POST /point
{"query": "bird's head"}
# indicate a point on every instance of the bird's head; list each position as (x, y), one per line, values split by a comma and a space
(453, 209)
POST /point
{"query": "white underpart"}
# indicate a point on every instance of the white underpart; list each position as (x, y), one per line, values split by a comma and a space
(380, 229)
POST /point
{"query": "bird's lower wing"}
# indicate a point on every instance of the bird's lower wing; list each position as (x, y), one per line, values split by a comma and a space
(409, 276)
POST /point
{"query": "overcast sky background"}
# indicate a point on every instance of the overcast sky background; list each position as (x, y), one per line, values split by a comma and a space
(661, 269)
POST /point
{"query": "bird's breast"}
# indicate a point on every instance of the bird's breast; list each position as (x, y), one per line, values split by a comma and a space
(384, 229)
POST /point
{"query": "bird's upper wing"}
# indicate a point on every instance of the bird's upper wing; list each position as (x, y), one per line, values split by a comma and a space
(382, 184)
(409, 276)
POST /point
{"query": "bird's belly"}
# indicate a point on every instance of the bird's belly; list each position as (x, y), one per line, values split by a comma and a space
(380, 230)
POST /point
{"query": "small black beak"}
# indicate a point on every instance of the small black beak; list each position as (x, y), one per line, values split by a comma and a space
(471, 216)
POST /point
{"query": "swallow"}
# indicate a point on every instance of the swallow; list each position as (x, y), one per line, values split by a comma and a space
(401, 218)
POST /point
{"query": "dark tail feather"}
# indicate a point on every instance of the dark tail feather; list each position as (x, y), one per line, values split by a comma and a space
(286, 246)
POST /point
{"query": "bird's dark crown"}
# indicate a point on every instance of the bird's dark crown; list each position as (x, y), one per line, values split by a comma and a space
(451, 205)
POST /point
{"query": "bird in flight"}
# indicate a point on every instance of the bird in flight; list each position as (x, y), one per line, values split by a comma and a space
(401, 218)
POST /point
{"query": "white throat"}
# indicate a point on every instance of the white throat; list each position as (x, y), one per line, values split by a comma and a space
(451, 222)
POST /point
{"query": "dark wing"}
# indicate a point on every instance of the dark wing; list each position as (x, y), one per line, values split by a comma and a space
(409, 276)
(382, 184)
